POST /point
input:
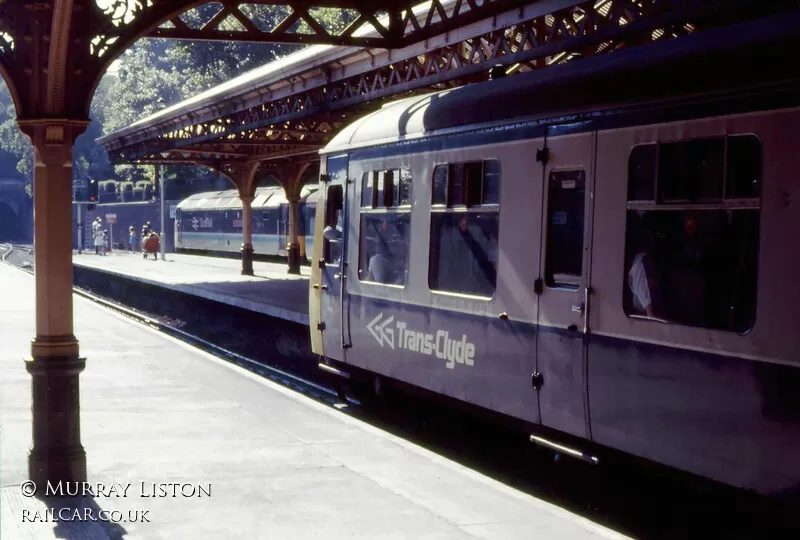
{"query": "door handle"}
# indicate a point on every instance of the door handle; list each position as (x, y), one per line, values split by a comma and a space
(579, 309)
(337, 276)
(318, 286)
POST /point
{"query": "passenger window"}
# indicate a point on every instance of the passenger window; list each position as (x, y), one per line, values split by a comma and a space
(404, 188)
(463, 257)
(439, 185)
(367, 193)
(566, 197)
(642, 172)
(385, 228)
(744, 167)
(334, 225)
(695, 262)
(691, 171)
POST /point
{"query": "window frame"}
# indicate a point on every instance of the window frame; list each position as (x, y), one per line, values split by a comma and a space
(574, 282)
(725, 203)
(329, 213)
(377, 208)
(465, 209)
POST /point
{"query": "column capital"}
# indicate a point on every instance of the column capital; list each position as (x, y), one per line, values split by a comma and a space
(53, 138)
(52, 131)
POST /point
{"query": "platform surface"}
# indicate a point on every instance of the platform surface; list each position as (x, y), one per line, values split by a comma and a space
(278, 465)
(271, 290)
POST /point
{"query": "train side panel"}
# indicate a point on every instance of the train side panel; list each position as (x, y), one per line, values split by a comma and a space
(221, 231)
(720, 403)
(456, 344)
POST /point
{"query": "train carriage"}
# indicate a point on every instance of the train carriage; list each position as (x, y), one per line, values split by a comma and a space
(601, 250)
(211, 222)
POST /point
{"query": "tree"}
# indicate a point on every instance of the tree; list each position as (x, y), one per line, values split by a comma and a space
(151, 74)
(16, 151)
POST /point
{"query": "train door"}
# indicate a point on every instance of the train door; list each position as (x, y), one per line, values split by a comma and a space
(563, 286)
(333, 261)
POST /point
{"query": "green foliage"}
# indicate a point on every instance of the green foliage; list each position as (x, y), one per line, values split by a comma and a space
(16, 151)
(151, 75)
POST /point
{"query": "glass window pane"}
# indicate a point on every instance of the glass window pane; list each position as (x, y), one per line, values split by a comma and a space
(387, 179)
(383, 249)
(455, 185)
(691, 171)
(404, 191)
(744, 167)
(473, 178)
(366, 190)
(463, 255)
(334, 217)
(491, 181)
(440, 185)
(642, 173)
(567, 199)
(694, 268)
(380, 185)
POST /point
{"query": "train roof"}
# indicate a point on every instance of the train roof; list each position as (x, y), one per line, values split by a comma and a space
(710, 61)
(265, 197)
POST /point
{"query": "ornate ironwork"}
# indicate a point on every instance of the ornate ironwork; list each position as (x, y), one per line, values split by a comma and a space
(394, 23)
(589, 28)
(94, 32)
(290, 139)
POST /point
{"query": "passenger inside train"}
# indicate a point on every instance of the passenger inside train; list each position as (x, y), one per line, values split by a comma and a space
(387, 248)
(692, 240)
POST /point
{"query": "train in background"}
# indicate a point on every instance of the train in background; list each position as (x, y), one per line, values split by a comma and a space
(211, 222)
(603, 252)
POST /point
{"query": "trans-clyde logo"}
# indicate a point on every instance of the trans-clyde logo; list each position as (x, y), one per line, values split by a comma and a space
(440, 344)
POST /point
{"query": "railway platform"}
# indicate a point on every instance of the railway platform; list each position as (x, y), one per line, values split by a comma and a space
(270, 291)
(181, 445)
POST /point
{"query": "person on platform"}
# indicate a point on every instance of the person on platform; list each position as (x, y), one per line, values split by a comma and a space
(132, 239)
(97, 235)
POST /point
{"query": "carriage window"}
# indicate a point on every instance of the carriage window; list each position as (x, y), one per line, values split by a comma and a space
(385, 227)
(367, 189)
(691, 252)
(439, 185)
(464, 228)
(744, 167)
(334, 221)
(566, 202)
(642, 173)
(691, 171)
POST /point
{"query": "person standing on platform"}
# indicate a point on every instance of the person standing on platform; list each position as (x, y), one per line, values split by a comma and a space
(97, 234)
(132, 239)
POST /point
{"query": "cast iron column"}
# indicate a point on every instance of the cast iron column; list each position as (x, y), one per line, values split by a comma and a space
(247, 229)
(57, 453)
(293, 251)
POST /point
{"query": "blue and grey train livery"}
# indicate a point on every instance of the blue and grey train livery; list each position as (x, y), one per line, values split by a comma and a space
(211, 222)
(603, 251)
